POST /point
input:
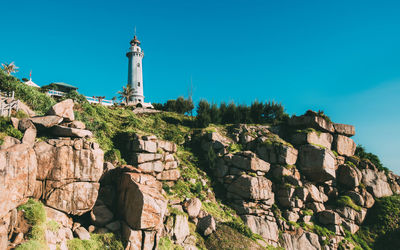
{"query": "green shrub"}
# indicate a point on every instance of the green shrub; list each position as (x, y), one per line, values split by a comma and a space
(31, 245)
(38, 101)
(7, 129)
(363, 154)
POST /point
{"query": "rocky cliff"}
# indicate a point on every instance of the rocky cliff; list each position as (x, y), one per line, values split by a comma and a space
(297, 185)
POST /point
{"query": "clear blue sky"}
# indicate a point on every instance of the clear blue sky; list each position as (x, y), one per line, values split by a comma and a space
(339, 56)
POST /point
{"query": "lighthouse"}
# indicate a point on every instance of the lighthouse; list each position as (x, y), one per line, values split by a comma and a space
(135, 75)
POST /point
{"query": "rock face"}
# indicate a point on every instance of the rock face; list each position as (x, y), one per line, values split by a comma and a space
(65, 169)
(18, 173)
(267, 229)
(316, 163)
(344, 129)
(301, 240)
(254, 188)
(348, 176)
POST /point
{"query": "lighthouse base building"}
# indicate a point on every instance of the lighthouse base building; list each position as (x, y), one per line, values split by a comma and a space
(135, 74)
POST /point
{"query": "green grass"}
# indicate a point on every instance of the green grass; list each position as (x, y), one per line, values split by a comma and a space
(96, 242)
(234, 147)
(34, 212)
(166, 244)
(344, 201)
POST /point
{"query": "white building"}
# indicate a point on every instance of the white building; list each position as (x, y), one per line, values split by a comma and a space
(135, 74)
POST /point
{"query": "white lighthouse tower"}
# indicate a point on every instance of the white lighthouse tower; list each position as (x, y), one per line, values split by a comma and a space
(135, 76)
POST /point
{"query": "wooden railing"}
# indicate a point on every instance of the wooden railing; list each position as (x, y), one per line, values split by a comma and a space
(7, 104)
(104, 102)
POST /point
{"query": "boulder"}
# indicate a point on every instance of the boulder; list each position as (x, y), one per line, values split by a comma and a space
(248, 160)
(376, 183)
(312, 120)
(8, 142)
(369, 200)
(48, 121)
(316, 163)
(22, 106)
(67, 163)
(64, 109)
(24, 124)
(150, 167)
(274, 152)
(206, 225)
(255, 188)
(77, 124)
(139, 145)
(329, 217)
(344, 145)
(18, 168)
(139, 158)
(313, 137)
(348, 176)
(315, 194)
(63, 131)
(192, 207)
(114, 226)
(101, 215)
(67, 199)
(344, 129)
(181, 228)
(14, 122)
(82, 233)
(29, 136)
(167, 146)
(268, 229)
(169, 175)
(300, 240)
(61, 218)
(141, 203)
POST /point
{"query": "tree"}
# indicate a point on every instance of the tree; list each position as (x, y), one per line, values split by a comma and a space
(9, 68)
(256, 112)
(215, 114)
(126, 93)
(203, 118)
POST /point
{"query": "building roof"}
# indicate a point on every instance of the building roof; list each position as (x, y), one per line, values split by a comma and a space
(32, 84)
(63, 84)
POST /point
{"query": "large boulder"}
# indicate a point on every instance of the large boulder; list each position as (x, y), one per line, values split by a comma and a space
(206, 225)
(274, 151)
(317, 163)
(64, 109)
(329, 217)
(344, 129)
(248, 160)
(193, 207)
(181, 228)
(376, 183)
(313, 137)
(300, 240)
(312, 120)
(48, 121)
(18, 168)
(59, 163)
(348, 176)
(74, 198)
(138, 239)
(141, 203)
(268, 229)
(63, 131)
(255, 188)
(343, 145)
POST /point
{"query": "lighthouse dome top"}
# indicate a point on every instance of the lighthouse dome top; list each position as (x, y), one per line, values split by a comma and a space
(135, 41)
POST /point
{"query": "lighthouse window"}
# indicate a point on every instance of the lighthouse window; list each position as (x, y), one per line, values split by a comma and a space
(138, 64)
(138, 84)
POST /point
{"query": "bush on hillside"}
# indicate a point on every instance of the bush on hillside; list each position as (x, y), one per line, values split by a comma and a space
(38, 101)
(363, 154)
(180, 106)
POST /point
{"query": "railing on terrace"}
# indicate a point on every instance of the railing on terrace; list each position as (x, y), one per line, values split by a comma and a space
(104, 102)
(96, 100)
(52, 92)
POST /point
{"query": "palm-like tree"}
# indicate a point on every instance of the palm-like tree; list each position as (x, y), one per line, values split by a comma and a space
(9, 68)
(126, 93)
